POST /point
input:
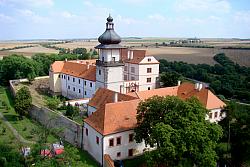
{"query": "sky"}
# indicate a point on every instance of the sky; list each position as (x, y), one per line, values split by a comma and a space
(68, 19)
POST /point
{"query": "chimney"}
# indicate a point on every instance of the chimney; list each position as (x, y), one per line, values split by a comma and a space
(132, 54)
(128, 54)
(87, 63)
(196, 86)
(115, 97)
(200, 86)
(179, 83)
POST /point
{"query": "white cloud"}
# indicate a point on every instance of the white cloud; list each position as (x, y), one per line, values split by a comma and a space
(157, 17)
(30, 3)
(68, 15)
(220, 6)
(30, 15)
(5, 18)
(242, 16)
(125, 20)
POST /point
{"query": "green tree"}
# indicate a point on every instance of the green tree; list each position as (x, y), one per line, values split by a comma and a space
(23, 101)
(170, 78)
(16, 67)
(52, 102)
(178, 130)
(237, 132)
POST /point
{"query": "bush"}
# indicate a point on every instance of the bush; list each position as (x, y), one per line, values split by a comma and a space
(52, 102)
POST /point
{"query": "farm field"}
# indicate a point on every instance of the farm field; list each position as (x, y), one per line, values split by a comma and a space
(36, 49)
(199, 55)
(9, 45)
(185, 54)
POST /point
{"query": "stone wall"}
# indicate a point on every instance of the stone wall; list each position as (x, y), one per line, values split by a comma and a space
(62, 126)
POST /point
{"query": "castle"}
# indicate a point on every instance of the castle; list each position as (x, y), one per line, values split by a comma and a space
(115, 83)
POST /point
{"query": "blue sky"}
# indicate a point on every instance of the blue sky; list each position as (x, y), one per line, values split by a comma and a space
(61, 19)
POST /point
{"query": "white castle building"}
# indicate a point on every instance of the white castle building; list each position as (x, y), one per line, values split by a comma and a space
(117, 68)
(115, 84)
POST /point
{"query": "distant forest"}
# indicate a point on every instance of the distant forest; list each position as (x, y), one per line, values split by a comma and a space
(227, 79)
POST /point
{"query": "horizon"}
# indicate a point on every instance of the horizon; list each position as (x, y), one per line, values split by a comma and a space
(85, 19)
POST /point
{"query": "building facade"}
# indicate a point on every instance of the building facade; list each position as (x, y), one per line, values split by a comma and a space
(117, 68)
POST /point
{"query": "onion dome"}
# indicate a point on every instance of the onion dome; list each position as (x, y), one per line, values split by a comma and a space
(109, 36)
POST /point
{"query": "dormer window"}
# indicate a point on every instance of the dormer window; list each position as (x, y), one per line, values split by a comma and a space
(149, 59)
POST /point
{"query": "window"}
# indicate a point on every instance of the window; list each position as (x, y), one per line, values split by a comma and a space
(148, 88)
(118, 154)
(111, 142)
(125, 68)
(79, 90)
(132, 78)
(74, 89)
(97, 140)
(79, 81)
(133, 69)
(125, 77)
(131, 137)
(149, 70)
(84, 82)
(130, 152)
(68, 87)
(210, 115)
(118, 140)
(68, 77)
(100, 72)
(73, 79)
(90, 84)
(149, 59)
(64, 77)
(148, 80)
(87, 132)
(85, 93)
(215, 114)
(59, 76)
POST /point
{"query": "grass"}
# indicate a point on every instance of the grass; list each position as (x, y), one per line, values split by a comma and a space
(30, 130)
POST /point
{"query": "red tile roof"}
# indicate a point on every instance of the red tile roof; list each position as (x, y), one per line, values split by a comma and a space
(138, 56)
(116, 117)
(103, 96)
(76, 69)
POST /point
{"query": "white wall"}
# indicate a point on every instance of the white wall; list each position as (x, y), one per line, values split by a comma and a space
(90, 144)
(110, 78)
(215, 119)
(90, 91)
(91, 110)
(70, 88)
(154, 75)
(124, 147)
(107, 54)
(55, 82)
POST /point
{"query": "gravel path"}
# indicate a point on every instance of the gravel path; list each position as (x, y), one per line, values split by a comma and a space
(14, 131)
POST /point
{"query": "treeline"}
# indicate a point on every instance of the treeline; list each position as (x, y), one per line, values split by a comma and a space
(81, 51)
(236, 47)
(18, 66)
(17, 47)
(226, 78)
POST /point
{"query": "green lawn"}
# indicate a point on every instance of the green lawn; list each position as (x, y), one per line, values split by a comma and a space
(30, 130)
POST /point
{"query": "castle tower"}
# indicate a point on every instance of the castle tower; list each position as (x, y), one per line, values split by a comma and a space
(109, 66)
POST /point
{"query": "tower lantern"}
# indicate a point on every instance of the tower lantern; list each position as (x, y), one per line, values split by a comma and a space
(109, 66)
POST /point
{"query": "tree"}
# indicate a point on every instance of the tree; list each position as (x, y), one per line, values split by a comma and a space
(237, 132)
(52, 102)
(23, 101)
(178, 130)
(16, 67)
(170, 78)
